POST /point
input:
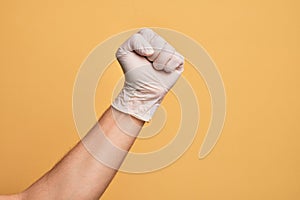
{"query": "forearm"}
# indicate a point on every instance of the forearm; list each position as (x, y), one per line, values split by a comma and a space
(151, 68)
(79, 175)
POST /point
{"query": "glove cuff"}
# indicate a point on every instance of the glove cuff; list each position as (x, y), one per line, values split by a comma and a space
(136, 104)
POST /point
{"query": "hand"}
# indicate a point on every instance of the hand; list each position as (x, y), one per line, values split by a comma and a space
(151, 67)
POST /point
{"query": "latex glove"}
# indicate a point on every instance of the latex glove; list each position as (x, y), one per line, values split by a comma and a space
(151, 67)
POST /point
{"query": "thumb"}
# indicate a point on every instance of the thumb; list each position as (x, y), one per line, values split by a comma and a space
(138, 44)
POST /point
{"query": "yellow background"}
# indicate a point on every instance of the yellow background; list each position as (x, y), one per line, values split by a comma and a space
(255, 45)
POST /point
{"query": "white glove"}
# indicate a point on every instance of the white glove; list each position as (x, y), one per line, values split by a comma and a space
(151, 67)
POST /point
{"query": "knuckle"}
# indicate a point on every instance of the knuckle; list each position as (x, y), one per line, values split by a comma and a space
(179, 58)
(120, 52)
(135, 36)
(169, 48)
(158, 42)
(146, 31)
(134, 39)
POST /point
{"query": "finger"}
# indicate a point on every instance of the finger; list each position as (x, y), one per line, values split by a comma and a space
(147, 33)
(155, 41)
(175, 63)
(179, 69)
(136, 43)
(163, 58)
(140, 45)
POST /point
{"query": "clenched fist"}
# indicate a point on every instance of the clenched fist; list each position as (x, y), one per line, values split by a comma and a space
(151, 67)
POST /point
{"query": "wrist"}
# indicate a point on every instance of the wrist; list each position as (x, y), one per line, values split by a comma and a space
(136, 106)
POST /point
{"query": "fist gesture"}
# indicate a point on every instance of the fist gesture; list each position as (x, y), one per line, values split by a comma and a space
(151, 67)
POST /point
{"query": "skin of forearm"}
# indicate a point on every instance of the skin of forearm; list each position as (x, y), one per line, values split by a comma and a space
(149, 74)
(79, 175)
